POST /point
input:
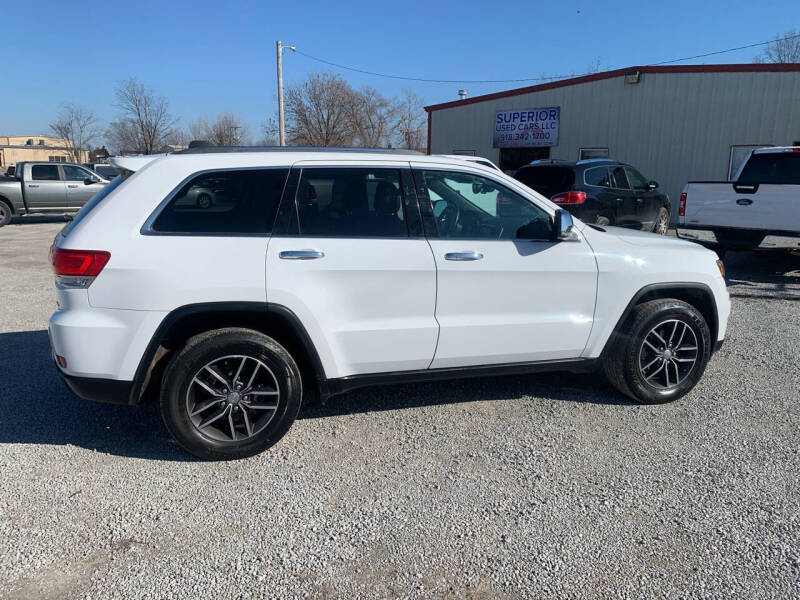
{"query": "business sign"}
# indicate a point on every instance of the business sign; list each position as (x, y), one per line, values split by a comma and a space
(526, 128)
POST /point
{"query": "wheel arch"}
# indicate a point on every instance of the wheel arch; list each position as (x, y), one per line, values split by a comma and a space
(696, 294)
(10, 204)
(178, 326)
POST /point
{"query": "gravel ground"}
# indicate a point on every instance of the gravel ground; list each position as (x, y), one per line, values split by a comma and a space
(540, 486)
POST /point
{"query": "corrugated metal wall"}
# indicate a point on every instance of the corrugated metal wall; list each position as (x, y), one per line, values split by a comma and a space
(673, 127)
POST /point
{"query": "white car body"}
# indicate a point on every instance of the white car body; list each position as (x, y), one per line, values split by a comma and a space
(370, 306)
(745, 214)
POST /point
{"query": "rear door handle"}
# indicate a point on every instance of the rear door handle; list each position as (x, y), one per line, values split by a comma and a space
(72, 185)
(300, 254)
(33, 185)
(463, 256)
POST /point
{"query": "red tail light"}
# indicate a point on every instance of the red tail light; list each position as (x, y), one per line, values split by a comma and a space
(569, 198)
(78, 263)
(682, 205)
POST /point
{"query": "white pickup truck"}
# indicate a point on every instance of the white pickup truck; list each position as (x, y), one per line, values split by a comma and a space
(761, 209)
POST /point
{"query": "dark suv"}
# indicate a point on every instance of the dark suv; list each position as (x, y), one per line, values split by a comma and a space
(601, 191)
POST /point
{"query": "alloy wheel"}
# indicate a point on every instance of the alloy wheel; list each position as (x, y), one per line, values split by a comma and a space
(662, 224)
(232, 398)
(668, 354)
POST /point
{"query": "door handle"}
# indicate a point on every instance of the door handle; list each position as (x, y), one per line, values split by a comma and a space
(463, 256)
(72, 185)
(300, 254)
(620, 199)
(33, 185)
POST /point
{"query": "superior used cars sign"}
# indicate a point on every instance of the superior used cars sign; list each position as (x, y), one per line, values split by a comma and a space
(525, 128)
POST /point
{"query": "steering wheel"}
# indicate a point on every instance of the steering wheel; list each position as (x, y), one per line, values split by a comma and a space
(448, 219)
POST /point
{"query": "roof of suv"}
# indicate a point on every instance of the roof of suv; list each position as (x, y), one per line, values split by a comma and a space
(586, 162)
(227, 149)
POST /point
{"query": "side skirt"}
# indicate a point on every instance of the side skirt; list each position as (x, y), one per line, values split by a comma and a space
(332, 387)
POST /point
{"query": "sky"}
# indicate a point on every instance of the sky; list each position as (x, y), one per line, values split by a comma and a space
(207, 56)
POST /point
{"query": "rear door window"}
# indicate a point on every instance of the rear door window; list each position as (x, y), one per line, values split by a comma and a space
(548, 181)
(231, 202)
(45, 173)
(351, 202)
(772, 167)
(618, 178)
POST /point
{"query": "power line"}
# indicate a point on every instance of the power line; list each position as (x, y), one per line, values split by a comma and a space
(425, 80)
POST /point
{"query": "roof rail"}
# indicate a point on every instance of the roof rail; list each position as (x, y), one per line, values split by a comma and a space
(584, 161)
(227, 149)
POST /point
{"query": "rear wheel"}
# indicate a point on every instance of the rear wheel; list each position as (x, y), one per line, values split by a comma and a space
(661, 226)
(602, 221)
(230, 393)
(660, 353)
(5, 213)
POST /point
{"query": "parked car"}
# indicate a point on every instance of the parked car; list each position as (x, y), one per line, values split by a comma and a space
(759, 210)
(47, 187)
(105, 170)
(329, 270)
(600, 191)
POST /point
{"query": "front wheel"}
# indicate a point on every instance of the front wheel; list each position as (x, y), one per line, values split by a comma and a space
(230, 393)
(660, 353)
(661, 226)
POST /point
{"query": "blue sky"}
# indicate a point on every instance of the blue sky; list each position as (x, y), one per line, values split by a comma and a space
(207, 57)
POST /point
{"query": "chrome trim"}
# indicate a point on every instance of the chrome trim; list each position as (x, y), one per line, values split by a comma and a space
(701, 235)
(463, 256)
(780, 241)
(300, 254)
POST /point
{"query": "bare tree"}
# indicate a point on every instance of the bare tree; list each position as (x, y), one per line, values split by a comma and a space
(199, 129)
(318, 112)
(783, 49)
(269, 133)
(229, 130)
(78, 126)
(373, 118)
(411, 123)
(144, 122)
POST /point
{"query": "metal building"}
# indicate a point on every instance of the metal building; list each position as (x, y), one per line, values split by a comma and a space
(673, 123)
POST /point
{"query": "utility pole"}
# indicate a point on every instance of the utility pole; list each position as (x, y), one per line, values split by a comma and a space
(281, 126)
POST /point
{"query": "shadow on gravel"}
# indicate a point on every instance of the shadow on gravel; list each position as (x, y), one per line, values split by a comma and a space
(762, 272)
(37, 408)
(38, 219)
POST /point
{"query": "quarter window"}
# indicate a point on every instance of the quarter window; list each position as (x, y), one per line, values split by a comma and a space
(597, 176)
(45, 173)
(474, 207)
(351, 202)
(243, 202)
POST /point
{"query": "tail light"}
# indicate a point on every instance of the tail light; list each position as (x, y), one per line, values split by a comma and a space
(569, 198)
(682, 205)
(77, 268)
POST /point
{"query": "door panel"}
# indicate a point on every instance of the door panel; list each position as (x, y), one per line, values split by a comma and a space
(364, 289)
(646, 200)
(505, 293)
(624, 198)
(44, 189)
(78, 193)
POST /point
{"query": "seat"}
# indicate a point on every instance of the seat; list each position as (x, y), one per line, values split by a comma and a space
(386, 206)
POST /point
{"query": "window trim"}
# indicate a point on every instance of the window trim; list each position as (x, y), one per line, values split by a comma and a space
(290, 217)
(418, 171)
(147, 226)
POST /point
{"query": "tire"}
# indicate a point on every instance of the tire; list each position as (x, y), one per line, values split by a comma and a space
(5, 213)
(602, 221)
(627, 351)
(661, 224)
(187, 386)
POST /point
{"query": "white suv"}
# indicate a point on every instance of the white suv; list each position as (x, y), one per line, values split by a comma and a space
(228, 282)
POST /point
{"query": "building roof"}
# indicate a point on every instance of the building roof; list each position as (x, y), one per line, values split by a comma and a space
(735, 68)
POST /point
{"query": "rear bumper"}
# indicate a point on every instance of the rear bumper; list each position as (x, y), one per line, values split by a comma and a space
(735, 237)
(99, 390)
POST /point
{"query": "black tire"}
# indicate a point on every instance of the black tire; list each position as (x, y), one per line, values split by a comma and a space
(661, 224)
(214, 345)
(626, 348)
(5, 213)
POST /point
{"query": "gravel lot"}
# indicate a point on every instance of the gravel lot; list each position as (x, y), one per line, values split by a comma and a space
(540, 486)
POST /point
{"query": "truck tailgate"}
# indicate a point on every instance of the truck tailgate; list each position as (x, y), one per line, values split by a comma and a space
(774, 207)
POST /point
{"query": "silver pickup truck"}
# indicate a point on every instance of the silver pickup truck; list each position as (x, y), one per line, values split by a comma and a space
(47, 188)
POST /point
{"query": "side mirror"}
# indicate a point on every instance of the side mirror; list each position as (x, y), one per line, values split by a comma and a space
(563, 226)
(90, 180)
(652, 185)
